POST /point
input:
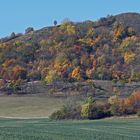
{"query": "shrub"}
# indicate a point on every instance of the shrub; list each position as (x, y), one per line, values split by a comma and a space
(86, 107)
(29, 29)
(126, 106)
(133, 100)
(13, 87)
(98, 112)
(85, 111)
(138, 113)
(92, 110)
(74, 113)
(66, 113)
(115, 105)
(60, 114)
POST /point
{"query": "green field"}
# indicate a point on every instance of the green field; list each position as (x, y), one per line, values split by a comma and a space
(44, 129)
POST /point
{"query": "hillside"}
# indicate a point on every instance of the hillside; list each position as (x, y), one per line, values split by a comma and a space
(107, 49)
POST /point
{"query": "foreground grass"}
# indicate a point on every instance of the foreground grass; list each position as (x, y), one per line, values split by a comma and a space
(43, 129)
(29, 106)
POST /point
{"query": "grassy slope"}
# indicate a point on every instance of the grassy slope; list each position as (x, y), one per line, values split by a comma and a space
(43, 129)
(29, 106)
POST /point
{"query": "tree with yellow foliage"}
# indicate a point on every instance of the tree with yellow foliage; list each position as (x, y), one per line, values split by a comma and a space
(69, 28)
(119, 31)
(51, 77)
(129, 57)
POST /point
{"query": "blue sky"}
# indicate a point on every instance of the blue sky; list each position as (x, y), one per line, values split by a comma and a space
(17, 15)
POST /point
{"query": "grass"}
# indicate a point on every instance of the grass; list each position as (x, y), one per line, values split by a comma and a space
(44, 129)
(32, 106)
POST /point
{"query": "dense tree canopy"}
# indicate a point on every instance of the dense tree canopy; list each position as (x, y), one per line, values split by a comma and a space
(103, 50)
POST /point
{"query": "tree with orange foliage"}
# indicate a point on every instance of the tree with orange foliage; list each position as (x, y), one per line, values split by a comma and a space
(131, 104)
(18, 72)
(76, 73)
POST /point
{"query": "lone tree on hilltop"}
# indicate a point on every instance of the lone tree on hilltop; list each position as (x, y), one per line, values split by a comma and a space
(55, 23)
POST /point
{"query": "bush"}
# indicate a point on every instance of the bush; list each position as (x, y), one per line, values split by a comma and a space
(87, 106)
(29, 29)
(126, 106)
(59, 115)
(115, 105)
(138, 113)
(114, 110)
(85, 111)
(66, 113)
(98, 112)
(129, 110)
(13, 87)
(92, 110)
